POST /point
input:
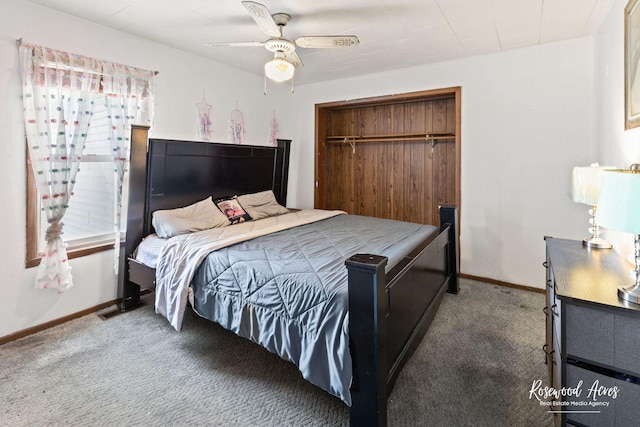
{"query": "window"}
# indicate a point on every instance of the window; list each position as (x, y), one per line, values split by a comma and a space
(89, 220)
(76, 106)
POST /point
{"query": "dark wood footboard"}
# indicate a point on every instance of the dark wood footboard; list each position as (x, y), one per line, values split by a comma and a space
(390, 313)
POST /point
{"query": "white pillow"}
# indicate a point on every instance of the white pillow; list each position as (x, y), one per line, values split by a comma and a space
(196, 217)
(261, 205)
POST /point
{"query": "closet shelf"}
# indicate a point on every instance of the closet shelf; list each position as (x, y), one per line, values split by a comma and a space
(351, 139)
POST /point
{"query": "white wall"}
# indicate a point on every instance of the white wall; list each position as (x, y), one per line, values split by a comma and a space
(180, 85)
(616, 146)
(527, 119)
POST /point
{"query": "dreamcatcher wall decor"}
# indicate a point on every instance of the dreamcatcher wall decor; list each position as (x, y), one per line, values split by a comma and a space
(273, 138)
(236, 124)
(204, 119)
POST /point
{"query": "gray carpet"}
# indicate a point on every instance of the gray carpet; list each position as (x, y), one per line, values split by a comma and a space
(474, 367)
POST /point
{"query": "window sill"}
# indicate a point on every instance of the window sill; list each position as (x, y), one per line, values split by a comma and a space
(73, 253)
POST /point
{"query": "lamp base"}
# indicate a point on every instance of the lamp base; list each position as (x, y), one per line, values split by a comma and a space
(596, 243)
(630, 293)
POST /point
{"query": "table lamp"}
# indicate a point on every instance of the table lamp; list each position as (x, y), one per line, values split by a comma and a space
(619, 209)
(585, 188)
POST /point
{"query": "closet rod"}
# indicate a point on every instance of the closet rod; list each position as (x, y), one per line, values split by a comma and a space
(424, 135)
(334, 140)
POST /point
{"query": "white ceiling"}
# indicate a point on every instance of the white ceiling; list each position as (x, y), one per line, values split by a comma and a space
(393, 33)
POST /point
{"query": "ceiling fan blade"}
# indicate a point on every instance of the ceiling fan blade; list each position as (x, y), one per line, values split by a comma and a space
(293, 58)
(234, 44)
(261, 15)
(319, 42)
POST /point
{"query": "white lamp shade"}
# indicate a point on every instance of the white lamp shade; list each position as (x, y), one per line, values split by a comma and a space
(585, 183)
(279, 70)
(619, 201)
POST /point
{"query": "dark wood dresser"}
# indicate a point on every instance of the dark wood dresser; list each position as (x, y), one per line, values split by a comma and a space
(592, 338)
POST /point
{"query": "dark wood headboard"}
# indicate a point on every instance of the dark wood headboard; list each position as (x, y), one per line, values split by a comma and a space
(167, 174)
(180, 173)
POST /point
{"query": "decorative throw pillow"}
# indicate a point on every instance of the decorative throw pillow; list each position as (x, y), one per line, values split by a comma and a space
(231, 207)
(262, 205)
(196, 217)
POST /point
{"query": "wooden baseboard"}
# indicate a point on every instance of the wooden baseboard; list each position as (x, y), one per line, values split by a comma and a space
(501, 283)
(29, 331)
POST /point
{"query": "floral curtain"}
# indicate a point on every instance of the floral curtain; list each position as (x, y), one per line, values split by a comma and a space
(129, 97)
(59, 90)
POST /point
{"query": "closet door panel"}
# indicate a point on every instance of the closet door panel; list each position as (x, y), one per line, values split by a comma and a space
(338, 191)
(443, 156)
(452, 174)
(384, 152)
(451, 116)
(439, 116)
(369, 177)
(418, 168)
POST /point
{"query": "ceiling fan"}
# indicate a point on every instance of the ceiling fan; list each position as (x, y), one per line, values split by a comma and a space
(285, 58)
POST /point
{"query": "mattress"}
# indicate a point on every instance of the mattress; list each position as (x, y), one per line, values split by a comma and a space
(148, 250)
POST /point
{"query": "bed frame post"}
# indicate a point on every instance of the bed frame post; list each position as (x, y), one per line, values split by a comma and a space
(129, 292)
(449, 218)
(368, 307)
(281, 171)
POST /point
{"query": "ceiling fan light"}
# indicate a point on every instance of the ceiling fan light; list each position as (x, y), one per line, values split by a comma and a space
(279, 70)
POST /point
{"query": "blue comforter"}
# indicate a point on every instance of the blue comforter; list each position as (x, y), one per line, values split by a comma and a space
(287, 291)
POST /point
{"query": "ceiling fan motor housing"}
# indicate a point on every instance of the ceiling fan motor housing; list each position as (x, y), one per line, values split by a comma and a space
(280, 45)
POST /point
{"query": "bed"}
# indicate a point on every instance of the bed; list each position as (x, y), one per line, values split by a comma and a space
(389, 301)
